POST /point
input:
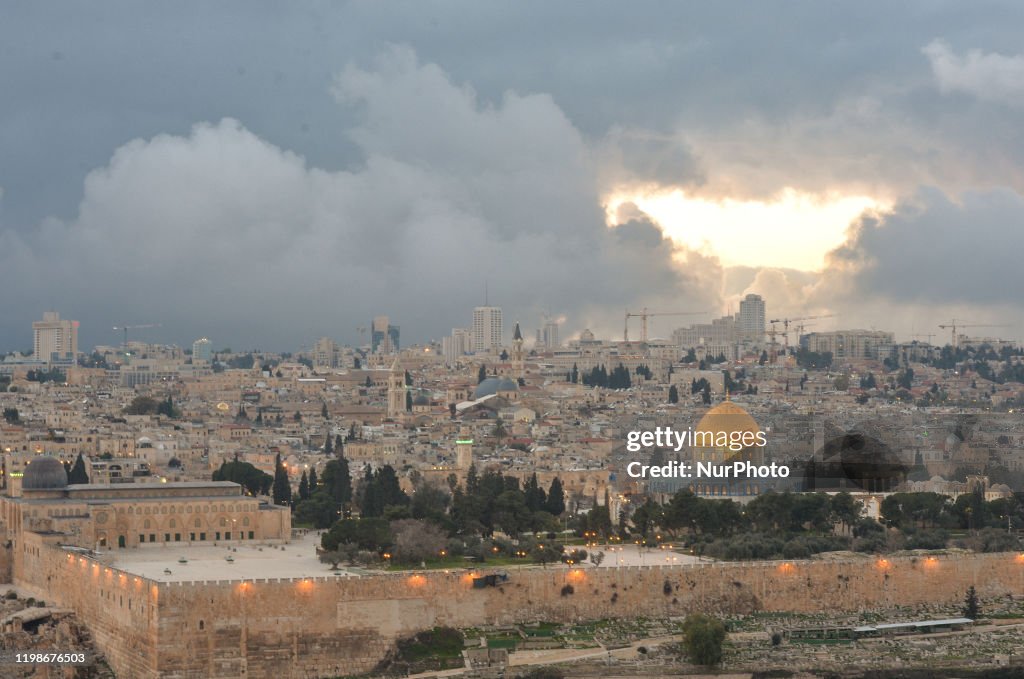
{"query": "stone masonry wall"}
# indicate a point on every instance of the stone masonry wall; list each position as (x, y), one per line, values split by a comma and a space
(336, 626)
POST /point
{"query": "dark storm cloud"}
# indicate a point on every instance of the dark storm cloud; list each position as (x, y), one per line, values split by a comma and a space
(400, 188)
(221, 233)
(933, 250)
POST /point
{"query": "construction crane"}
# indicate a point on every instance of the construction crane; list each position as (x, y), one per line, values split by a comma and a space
(126, 328)
(785, 327)
(954, 324)
(645, 314)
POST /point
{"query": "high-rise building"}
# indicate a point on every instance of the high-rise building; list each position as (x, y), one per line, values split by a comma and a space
(550, 335)
(384, 336)
(54, 339)
(326, 353)
(486, 328)
(457, 345)
(751, 318)
(202, 350)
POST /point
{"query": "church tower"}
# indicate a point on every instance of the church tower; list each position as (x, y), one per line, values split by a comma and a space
(518, 360)
(396, 391)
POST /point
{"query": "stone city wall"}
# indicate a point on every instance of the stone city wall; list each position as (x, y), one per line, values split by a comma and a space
(336, 625)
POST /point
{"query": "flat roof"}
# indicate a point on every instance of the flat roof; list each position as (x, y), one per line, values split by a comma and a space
(251, 561)
(128, 486)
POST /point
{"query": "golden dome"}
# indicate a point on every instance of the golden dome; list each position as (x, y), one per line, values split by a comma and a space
(727, 417)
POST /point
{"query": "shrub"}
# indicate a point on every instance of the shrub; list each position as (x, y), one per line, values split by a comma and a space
(703, 637)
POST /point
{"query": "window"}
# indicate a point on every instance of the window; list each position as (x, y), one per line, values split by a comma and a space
(167, 537)
(191, 537)
(218, 536)
(152, 537)
(227, 536)
(177, 537)
(202, 536)
(250, 535)
(142, 538)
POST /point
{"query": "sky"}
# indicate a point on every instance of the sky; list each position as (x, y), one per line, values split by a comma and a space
(264, 174)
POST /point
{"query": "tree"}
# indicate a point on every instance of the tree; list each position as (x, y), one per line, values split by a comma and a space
(673, 394)
(599, 519)
(417, 540)
(764, 357)
(556, 498)
(249, 477)
(78, 473)
(971, 609)
(336, 556)
(319, 511)
(408, 401)
(328, 445)
(282, 488)
(167, 409)
(845, 509)
(646, 516)
(536, 499)
(381, 490)
(430, 502)
(905, 378)
(371, 534)
(575, 374)
(323, 411)
(141, 405)
(337, 482)
(11, 415)
(481, 374)
(499, 432)
(313, 480)
(304, 486)
(703, 637)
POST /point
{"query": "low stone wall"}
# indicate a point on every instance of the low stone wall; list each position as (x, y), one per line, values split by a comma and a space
(335, 626)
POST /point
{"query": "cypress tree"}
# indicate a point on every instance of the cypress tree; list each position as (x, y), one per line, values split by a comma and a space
(282, 488)
(556, 498)
(78, 473)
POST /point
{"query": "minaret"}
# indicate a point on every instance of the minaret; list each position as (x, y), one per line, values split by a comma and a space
(517, 352)
(464, 450)
(396, 391)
